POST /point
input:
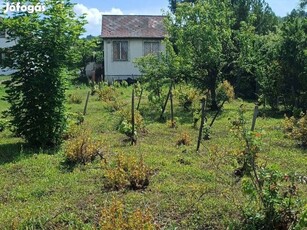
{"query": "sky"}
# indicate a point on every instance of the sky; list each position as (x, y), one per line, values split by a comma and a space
(94, 9)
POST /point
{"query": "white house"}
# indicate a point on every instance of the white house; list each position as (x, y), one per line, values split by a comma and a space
(4, 43)
(127, 37)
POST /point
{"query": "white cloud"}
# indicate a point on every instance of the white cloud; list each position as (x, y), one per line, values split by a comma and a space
(93, 17)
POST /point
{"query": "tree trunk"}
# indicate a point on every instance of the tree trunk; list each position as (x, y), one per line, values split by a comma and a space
(212, 87)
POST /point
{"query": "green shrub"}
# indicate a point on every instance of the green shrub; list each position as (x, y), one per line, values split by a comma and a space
(124, 84)
(187, 97)
(125, 125)
(273, 201)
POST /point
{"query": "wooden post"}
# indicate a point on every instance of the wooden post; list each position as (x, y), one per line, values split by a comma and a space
(133, 140)
(203, 105)
(138, 106)
(254, 118)
(172, 109)
(218, 111)
(86, 102)
(167, 97)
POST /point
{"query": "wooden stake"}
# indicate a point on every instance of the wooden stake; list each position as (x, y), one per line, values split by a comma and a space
(218, 111)
(138, 106)
(172, 109)
(167, 97)
(86, 102)
(254, 118)
(203, 105)
(133, 139)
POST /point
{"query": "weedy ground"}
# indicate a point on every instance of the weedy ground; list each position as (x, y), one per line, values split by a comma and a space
(187, 189)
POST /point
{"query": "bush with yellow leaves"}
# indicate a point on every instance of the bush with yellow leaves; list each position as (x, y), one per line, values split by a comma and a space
(116, 217)
(125, 125)
(107, 93)
(82, 148)
(187, 97)
(225, 92)
(184, 139)
(126, 172)
(297, 128)
(300, 131)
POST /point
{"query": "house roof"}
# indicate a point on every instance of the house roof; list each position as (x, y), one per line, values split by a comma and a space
(132, 26)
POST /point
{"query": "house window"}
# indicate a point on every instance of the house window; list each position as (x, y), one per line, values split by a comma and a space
(120, 51)
(151, 48)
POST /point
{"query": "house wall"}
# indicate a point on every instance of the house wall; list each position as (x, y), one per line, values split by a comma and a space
(118, 70)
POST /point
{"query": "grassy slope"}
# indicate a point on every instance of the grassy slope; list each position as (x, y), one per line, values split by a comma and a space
(189, 190)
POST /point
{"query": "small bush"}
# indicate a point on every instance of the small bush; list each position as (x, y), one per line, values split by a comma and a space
(288, 125)
(107, 93)
(116, 216)
(279, 201)
(125, 125)
(297, 129)
(124, 84)
(225, 91)
(187, 97)
(72, 127)
(172, 124)
(185, 139)
(206, 132)
(74, 99)
(82, 148)
(126, 172)
(116, 84)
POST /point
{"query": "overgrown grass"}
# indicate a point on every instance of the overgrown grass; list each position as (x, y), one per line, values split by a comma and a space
(187, 190)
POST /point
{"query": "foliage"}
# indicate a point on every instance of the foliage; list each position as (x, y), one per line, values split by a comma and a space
(172, 123)
(125, 124)
(293, 59)
(187, 97)
(273, 198)
(201, 43)
(3, 124)
(74, 99)
(116, 216)
(246, 157)
(225, 92)
(159, 70)
(107, 93)
(36, 92)
(279, 201)
(288, 124)
(84, 51)
(206, 132)
(184, 139)
(82, 148)
(126, 172)
(297, 128)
